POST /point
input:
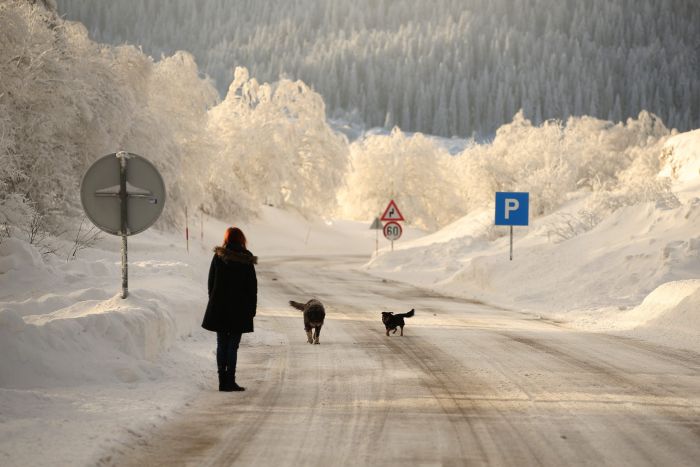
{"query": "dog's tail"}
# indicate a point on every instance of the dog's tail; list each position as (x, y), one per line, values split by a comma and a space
(408, 315)
(297, 305)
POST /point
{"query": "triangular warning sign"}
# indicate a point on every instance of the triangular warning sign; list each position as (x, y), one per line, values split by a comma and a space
(377, 224)
(392, 213)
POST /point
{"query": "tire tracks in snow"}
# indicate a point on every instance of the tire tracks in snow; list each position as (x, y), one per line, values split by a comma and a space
(235, 441)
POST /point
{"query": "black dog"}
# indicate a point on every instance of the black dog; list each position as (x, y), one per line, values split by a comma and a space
(314, 314)
(392, 321)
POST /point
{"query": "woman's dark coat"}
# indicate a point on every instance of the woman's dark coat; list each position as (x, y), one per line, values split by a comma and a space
(233, 291)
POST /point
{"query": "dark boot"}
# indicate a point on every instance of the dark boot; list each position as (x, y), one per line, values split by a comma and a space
(222, 380)
(231, 382)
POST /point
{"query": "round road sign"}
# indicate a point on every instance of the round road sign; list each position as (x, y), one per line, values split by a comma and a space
(392, 230)
(101, 194)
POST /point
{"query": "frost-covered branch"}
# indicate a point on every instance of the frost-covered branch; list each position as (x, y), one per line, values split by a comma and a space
(85, 237)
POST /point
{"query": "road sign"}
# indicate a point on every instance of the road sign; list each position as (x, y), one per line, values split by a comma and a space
(122, 194)
(392, 230)
(392, 213)
(101, 194)
(512, 208)
(376, 225)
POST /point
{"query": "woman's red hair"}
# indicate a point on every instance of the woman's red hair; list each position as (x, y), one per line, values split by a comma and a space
(234, 236)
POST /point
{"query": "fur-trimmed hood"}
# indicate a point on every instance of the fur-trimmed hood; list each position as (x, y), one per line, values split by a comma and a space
(237, 256)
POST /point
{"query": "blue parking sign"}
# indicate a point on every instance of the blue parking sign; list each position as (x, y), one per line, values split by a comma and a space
(512, 208)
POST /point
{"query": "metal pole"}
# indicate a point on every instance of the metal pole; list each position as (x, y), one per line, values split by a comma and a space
(511, 243)
(187, 231)
(123, 198)
(376, 243)
(125, 269)
(392, 245)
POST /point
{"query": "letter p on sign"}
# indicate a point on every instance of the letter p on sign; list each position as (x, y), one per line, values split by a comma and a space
(511, 205)
(512, 208)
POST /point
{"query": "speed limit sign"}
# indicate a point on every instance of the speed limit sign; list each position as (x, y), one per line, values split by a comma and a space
(392, 230)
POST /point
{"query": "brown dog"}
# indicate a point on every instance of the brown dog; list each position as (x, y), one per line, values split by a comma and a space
(314, 314)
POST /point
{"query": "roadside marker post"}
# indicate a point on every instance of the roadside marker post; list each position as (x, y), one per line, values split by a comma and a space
(187, 232)
(512, 208)
(201, 224)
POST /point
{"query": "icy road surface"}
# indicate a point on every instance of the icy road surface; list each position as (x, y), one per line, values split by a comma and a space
(467, 385)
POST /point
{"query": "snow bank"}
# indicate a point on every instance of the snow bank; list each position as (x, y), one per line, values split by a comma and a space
(20, 265)
(681, 156)
(670, 314)
(668, 303)
(65, 324)
(88, 341)
(17, 257)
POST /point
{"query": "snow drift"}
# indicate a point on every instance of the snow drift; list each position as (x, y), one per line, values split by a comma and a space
(668, 315)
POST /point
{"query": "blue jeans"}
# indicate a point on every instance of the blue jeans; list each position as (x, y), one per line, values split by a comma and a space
(227, 351)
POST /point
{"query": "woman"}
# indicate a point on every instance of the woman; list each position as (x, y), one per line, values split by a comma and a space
(233, 298)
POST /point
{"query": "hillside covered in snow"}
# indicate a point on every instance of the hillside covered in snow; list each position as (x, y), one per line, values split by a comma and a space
(444, 67)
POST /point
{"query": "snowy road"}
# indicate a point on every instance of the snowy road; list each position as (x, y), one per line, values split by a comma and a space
(466, 385)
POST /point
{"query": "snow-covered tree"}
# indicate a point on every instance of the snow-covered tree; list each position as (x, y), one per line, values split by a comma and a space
(551, 161)
(273, 145)
(412, 170)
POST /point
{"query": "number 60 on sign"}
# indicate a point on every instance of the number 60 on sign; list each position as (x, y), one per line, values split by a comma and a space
(392, 230)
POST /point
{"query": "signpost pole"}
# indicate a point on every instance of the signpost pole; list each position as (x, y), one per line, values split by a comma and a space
(187, 232)
(376, 225)
(511, 243)
(123, 156)
(512, 208)
(125, 269)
